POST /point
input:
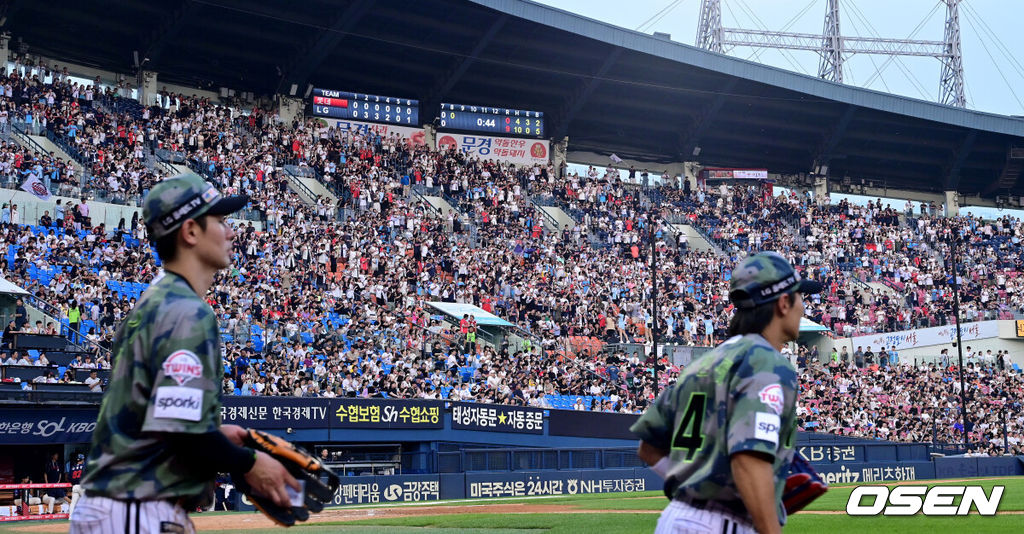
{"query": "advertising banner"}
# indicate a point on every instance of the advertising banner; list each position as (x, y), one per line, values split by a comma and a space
(497, 418)
(523, 484)
(372, 490)
(875, 472)
(510, 149)
(47, 426)
(385, 489)
(831, 453)
(302, 413)
(411, 134)
(275, 412)
(383, 413)
(926, 337)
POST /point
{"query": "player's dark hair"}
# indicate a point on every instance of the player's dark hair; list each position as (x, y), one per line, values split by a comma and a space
(167, 246)
(753, 320)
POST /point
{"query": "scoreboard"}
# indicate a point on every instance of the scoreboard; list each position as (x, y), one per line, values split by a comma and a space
(364, 107)
(500, 121)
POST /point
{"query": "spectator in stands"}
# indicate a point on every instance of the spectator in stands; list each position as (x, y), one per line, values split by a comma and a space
(20, 315)
(74, 315)
(94, 382)
(20, 359)
(8, 335)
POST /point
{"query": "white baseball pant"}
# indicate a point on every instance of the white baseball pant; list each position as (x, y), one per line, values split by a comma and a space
(76, 493)
(681, 518)
(102, 515)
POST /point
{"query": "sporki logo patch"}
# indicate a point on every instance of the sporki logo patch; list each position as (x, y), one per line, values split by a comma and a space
(909, 500)
(771, 396)
(183, 366)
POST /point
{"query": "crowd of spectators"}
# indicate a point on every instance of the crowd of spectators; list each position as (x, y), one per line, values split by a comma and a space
(915, 404)
(330, 297)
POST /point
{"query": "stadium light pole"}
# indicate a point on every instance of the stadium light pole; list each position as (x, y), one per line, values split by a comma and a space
(654, 305)
(953, 242)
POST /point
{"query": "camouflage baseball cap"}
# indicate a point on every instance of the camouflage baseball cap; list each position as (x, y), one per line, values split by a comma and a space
(764, 277)
(186, 196)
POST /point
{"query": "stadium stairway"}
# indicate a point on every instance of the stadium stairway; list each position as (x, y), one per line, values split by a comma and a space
(297, 186)
(440, 205)
(554, 218)
(884, 289)
(694, 239)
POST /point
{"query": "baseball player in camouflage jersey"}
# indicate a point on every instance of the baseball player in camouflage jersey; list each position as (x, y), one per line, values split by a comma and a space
(158, 443)
(722, 436)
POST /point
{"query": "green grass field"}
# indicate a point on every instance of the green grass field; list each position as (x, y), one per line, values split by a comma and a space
(626, 513)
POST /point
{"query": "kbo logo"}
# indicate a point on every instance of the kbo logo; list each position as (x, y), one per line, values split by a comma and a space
(909, 500)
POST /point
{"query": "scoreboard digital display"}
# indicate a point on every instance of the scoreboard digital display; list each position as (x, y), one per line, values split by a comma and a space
(499, 121)
(364, 107)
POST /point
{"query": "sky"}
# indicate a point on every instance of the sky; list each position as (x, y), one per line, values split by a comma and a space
(992, 39)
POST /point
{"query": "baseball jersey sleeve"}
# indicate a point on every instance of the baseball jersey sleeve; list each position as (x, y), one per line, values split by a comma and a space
(187, 367)
(763, 398)
(655, 425)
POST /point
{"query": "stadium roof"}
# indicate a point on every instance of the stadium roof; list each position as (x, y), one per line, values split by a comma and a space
(607, 88)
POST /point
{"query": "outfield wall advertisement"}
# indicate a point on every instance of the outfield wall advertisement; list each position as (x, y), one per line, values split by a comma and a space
(425, 488)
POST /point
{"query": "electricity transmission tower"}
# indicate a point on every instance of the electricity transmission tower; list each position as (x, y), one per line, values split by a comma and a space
(834, 48)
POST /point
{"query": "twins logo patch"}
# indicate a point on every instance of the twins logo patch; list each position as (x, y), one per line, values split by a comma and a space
(771, 396)
(183, 366)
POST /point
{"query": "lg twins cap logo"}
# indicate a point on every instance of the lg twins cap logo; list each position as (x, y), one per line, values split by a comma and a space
(183, 366)
(771, 396)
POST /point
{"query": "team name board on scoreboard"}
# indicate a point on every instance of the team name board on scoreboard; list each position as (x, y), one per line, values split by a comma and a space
(361, 106)
(502, 121)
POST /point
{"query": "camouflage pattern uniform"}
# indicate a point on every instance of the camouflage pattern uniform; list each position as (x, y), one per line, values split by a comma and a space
(158, 346)
(739, 397)
(166, 379)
